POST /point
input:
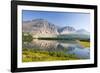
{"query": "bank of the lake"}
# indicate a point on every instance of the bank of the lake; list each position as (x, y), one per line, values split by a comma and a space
(31, 55)
(85, 44)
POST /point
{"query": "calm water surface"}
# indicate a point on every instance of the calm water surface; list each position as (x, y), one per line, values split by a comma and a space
(66, 46)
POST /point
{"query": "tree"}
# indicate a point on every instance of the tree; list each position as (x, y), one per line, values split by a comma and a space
(26, 37)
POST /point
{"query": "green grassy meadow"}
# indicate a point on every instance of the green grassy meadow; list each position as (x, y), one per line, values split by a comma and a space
(36, 55)
(85, 44)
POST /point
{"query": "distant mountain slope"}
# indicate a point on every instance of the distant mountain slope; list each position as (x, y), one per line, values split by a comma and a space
(66, 30)
(82, 31)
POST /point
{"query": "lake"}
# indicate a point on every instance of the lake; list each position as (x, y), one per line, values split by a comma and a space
(68, 47)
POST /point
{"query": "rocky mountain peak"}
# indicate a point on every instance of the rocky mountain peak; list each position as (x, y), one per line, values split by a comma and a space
(40, 26)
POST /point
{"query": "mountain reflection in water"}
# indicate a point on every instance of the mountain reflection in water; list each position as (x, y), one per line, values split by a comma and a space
(66, 46)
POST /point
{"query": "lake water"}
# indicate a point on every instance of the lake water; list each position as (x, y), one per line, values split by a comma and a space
(66, 46)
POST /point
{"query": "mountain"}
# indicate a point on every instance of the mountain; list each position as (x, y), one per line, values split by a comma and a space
(82, 31)
(40, 27)
(43, 28)
(67, 30)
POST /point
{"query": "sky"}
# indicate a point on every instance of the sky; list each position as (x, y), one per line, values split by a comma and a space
(61, 19)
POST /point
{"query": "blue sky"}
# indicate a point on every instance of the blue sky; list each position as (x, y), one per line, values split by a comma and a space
(61, 19)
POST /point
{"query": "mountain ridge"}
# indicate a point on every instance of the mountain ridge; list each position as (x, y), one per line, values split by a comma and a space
(42, 26)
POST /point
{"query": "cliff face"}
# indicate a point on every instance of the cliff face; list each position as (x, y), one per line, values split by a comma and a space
(40, 26)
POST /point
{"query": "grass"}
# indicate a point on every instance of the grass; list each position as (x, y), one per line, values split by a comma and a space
(84, 43)
(38, 55)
